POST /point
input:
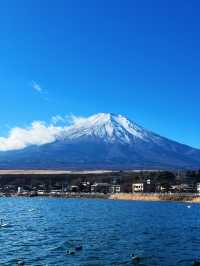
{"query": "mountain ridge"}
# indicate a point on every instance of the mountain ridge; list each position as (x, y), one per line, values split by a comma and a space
(104, 141)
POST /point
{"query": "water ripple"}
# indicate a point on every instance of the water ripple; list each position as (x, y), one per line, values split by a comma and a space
(41, 230)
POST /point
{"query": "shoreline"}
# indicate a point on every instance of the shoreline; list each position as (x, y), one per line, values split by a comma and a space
(58, 195)
(156, 197)
(118, 196)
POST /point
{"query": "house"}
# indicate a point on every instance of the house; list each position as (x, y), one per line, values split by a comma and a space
(115, 189)
(100, 188)
(144, 187)
(198, 188)
(182, 188)
(163, 188)
(138, 187)
(186, 188)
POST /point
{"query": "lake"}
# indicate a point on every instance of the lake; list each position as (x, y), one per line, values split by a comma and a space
(41, 230)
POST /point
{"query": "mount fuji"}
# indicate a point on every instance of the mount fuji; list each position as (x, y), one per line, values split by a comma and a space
(104, 141)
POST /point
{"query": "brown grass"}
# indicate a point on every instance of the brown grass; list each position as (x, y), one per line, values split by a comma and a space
(153, 197)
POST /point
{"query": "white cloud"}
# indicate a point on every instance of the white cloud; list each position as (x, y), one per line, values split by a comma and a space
(68, 119)
(39, 132)
(75, 120)
(58, 118)
(37, 87)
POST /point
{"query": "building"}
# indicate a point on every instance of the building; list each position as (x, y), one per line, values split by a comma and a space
(100, 188)
(138, 187)
(115, 189)
(144, 187)
(198, 188)
(183, 188)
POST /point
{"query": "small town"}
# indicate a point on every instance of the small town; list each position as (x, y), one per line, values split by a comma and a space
(100, 185)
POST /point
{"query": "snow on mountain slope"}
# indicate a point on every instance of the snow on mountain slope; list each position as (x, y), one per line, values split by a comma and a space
(104, 141)
(111, 128)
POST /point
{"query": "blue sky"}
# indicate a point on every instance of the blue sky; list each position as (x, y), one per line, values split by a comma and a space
(137, 58)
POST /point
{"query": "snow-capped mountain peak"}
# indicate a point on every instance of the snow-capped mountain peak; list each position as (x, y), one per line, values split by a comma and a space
(109, 127)
(103, 141)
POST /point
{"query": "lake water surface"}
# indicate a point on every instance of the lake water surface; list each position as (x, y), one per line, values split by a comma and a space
(41, 230)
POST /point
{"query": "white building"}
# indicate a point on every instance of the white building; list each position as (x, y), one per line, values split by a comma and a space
(198, 188)
(137, 187)
(115, 189)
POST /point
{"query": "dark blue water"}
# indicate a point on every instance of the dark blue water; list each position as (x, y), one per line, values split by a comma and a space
(41, 230)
